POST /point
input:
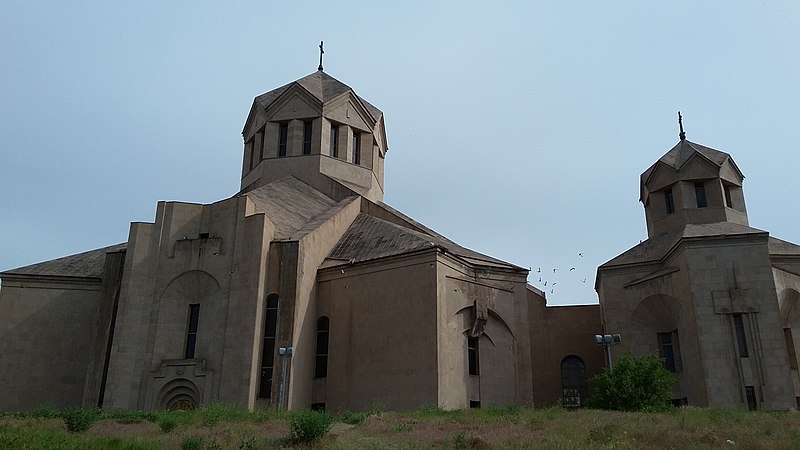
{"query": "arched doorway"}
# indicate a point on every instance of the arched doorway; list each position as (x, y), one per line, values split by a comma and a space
(574, 388)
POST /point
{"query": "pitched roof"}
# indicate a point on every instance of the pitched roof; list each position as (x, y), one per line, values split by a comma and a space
(322, 86)
(656, 247)
(85, 265)
(678, 155)
(289, 204)
(371, 238)
(781, 247)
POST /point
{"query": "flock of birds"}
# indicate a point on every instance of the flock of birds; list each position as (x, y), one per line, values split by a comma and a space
(549, 281)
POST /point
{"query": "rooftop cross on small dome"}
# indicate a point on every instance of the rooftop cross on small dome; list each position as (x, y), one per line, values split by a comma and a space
(321, 52)
(682, 134)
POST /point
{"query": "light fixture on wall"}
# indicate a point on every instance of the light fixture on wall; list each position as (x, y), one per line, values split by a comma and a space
(285, 354)
(606, 341)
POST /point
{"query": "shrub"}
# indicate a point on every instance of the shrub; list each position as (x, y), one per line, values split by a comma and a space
(307, 425)
(80, 419)
(192, 443)
(633, 384)
(167, 423)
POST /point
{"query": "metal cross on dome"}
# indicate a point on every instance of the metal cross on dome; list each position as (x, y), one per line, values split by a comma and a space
(321, 52)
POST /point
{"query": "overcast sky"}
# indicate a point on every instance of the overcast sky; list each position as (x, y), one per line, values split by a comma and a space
(518, 130)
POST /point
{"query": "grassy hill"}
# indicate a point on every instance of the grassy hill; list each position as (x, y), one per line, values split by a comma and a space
(219, 427)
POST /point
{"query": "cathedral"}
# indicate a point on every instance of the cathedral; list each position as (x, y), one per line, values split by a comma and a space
(305, 290)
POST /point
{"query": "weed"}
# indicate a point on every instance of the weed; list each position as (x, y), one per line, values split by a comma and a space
(307, 425)
(45, 412)
(79, 419)
(497, 413)
(459, 441)
(603, 434)
(261, 415)
(247, 443)
(553, 412)
(192, 443)
(167, 423)
(133, 416)
(403, 428)
(376, 408)
(352, 418)
(217, 412)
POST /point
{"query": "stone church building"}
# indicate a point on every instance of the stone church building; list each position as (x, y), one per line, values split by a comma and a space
(717, 299)
(305, 290)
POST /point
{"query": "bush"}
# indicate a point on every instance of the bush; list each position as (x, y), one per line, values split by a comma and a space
(80, 419)
(307, 425)
(192, 443)
(167, 423)
(633, 384)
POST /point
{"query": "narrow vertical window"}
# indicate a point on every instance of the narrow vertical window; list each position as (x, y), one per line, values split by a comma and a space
(728, 199)
(473, 356)
(321, 365)
(268, 347)
(668, 351)
(307, 129)
(700, 195)
(263, 144)
(752, 402)
(259, 145)
(669, 201)
(791, 353)
(283, 139)
(334, 147)
(741, 339)
(356, 148)
(191, 330)
(248, 148)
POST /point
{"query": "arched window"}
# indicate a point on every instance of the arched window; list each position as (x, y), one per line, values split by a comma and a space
(321, 366)
(574, 389)
(268, 347)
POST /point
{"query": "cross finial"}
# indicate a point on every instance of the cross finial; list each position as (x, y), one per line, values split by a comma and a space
(321, 52)
(682, 134)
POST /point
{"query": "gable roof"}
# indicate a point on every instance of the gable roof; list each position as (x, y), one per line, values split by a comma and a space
(84, 265)
(320, 85)
(370, 238)
(781, 247)
(657, 247)
(289, 204)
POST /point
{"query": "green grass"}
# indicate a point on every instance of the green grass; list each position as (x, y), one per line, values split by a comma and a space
(223, 427)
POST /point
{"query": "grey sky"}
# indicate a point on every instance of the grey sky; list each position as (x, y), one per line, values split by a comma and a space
(519, 130)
